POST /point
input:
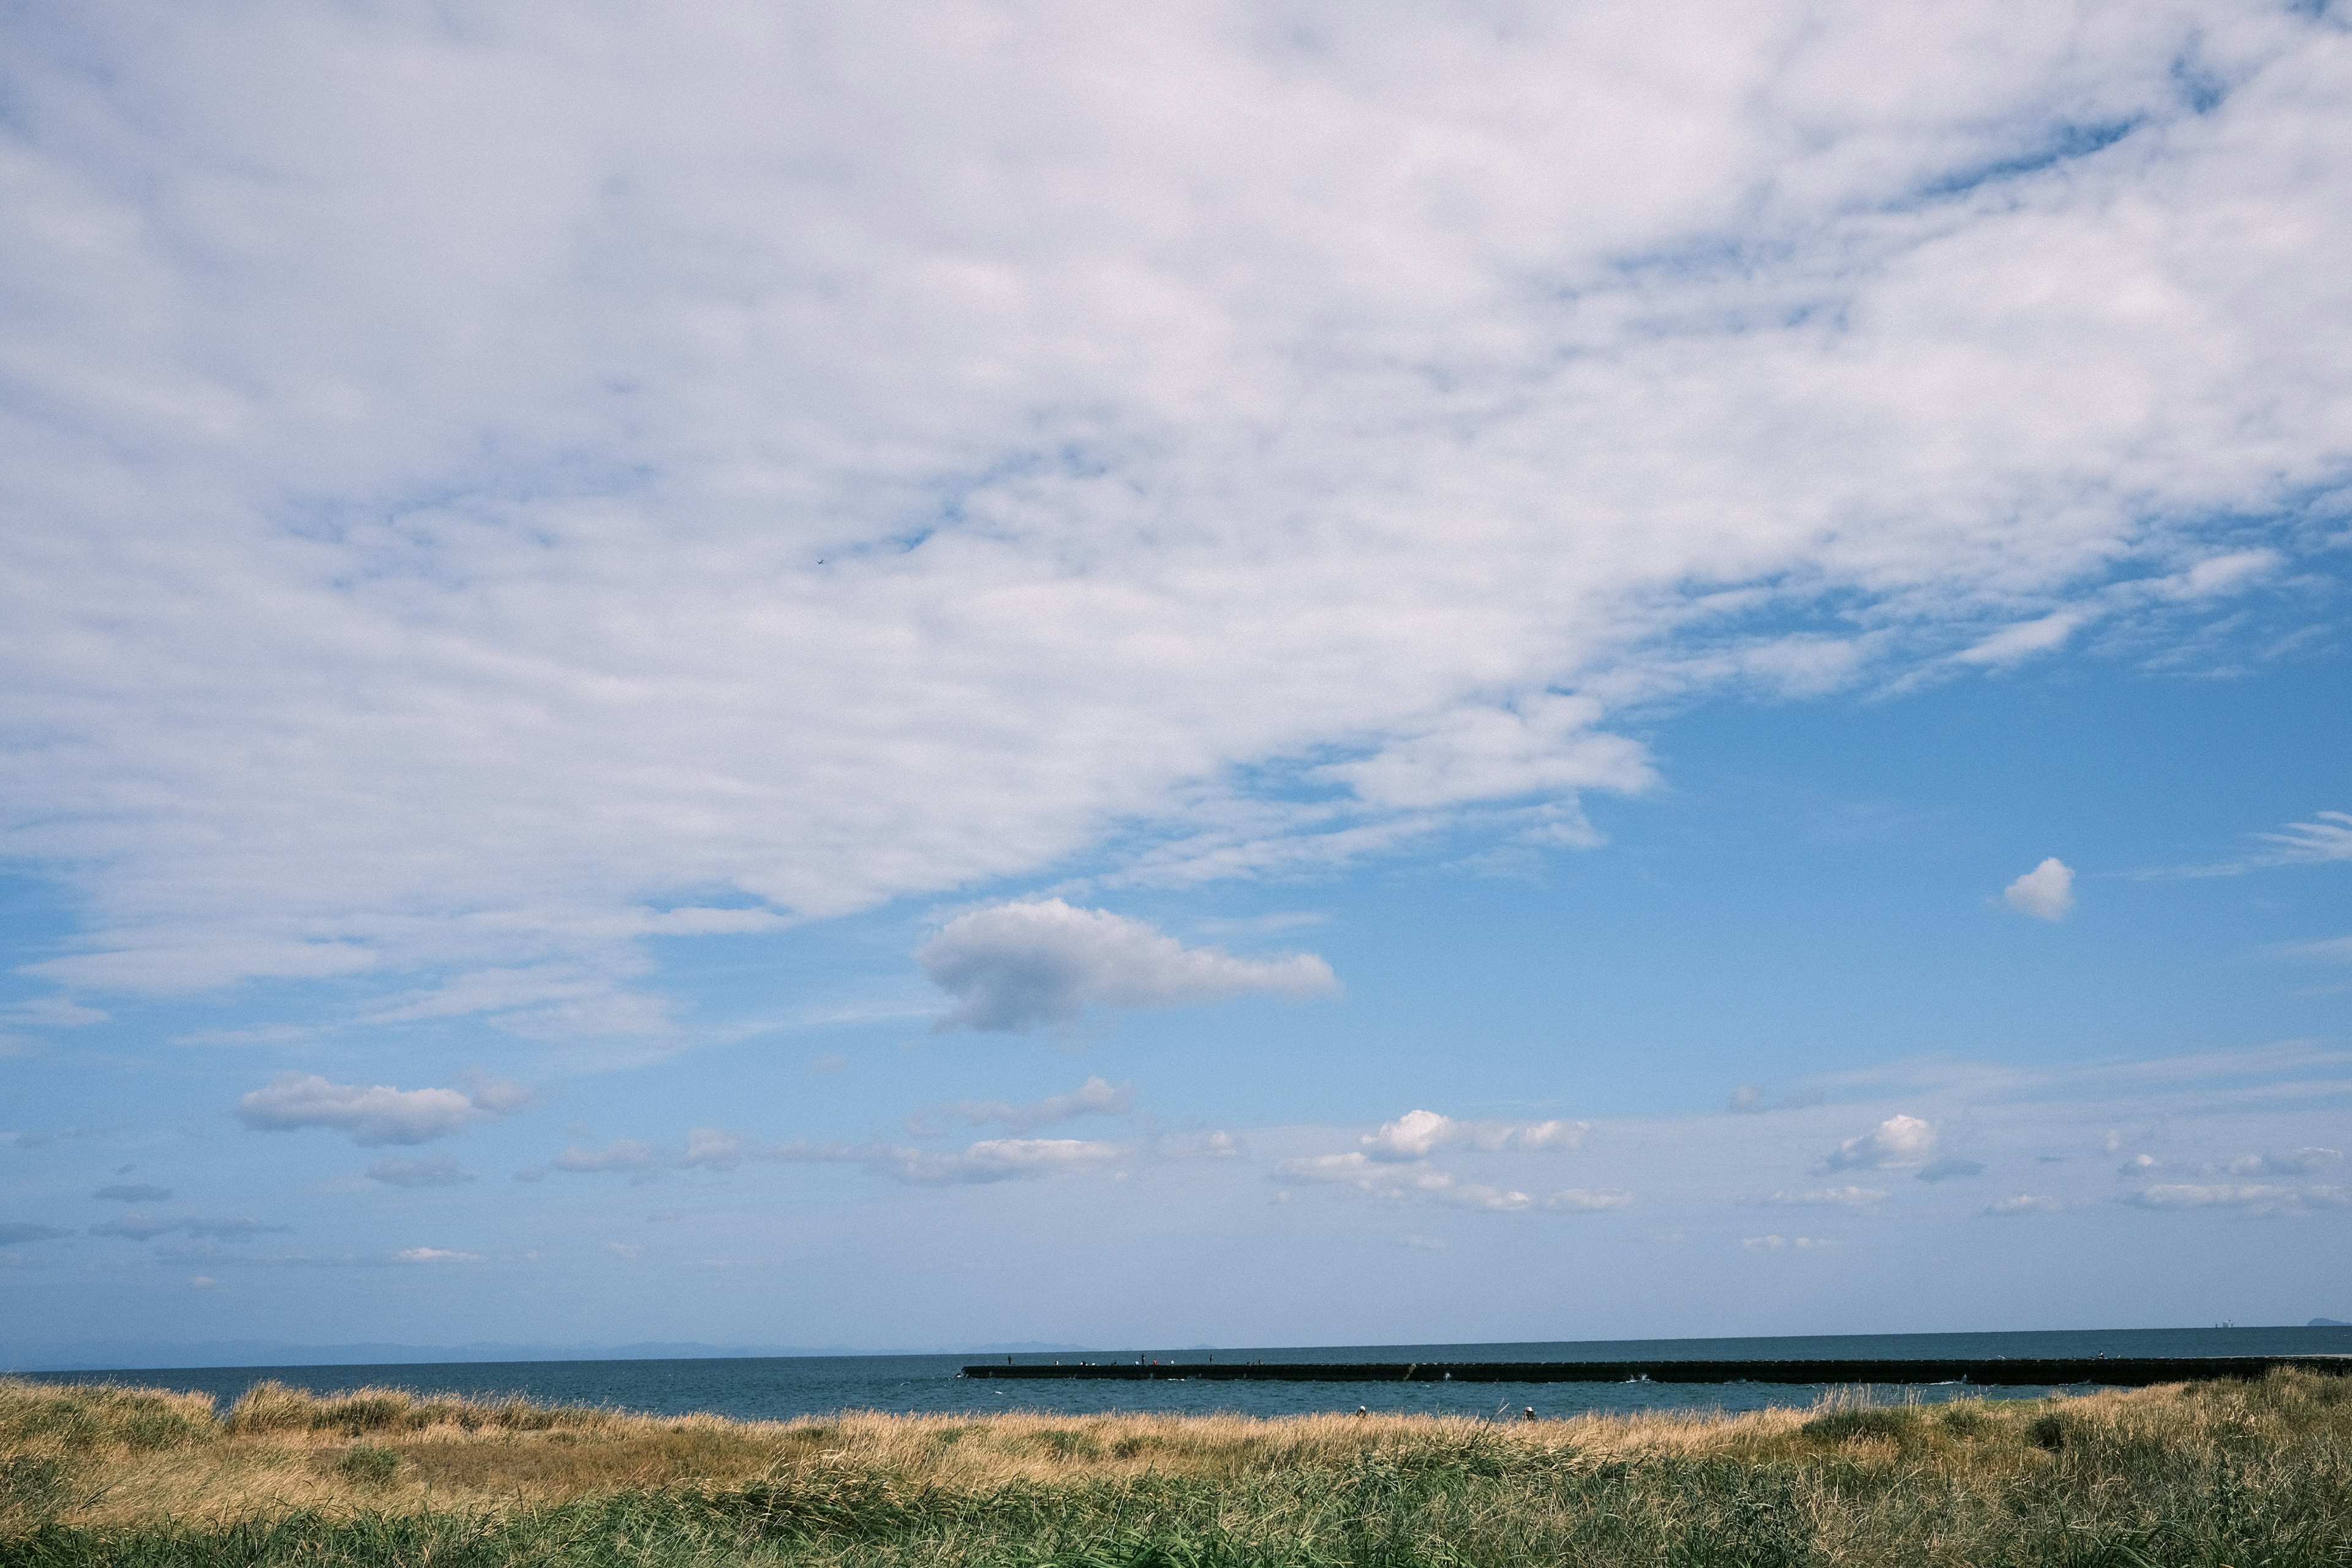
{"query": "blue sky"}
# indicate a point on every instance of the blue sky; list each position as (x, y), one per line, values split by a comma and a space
(1243, 676)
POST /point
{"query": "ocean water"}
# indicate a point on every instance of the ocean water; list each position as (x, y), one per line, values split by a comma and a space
(780, 1387)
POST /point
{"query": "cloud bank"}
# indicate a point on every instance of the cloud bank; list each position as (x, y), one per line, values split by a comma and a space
(659, 450)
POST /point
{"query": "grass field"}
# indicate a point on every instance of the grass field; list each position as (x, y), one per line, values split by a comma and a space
(2245, 1475)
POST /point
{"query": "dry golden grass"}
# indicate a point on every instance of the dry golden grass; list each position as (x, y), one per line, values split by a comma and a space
(1850, 1480)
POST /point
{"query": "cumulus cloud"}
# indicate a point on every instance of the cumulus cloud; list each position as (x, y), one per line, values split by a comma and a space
(437, 1171)
(435, 1254)
(1898, 1144)
(134, 1193)
(1075, 537)
(1023, 967)
(373, 1115)
(2046, 892)
(1418, 1133)
(2026, 1203)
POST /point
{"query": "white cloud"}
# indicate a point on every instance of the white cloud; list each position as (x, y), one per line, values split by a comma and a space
(2026, 1203)
(2312, 843)
(2327, 837)
(1420, 1133)
(705, 1148)
(2258, 1197)
(1096, 1096)
(373, 1115)
(1023, 967)
(1289, 468)
(2046, 892)
(1898, 1144)
(436, 1255)
(1399, 1184)
(439, 1170)
(1838, 1197)
(995, 1160)
(1780, 1243)
(1588, 1200)
(2304, 1162)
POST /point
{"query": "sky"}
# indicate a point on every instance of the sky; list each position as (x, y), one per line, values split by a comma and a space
(1215, 674)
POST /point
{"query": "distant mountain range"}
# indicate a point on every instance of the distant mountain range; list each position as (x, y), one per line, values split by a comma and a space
(102, 1355)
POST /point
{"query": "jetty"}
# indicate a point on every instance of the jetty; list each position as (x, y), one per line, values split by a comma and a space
(2111, 1372)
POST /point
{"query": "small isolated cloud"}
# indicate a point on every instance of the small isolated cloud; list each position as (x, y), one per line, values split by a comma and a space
(1096, 1096)
(1898, 1144)
(1425, 1243)
(2025, 1203)
(2254, 1197)
(1837, 1197)
(2046, 892)
(1950, 1168)
(377, 1114)
(1418, 1133)
(2136, 1167)
(134, 1193)
(1588, 1200)
(1781, 1243)
(438, 1171)
(1023, 967)
(436, 1255)
(16, 1233)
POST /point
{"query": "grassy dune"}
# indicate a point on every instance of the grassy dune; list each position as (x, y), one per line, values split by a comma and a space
(2246, 1475)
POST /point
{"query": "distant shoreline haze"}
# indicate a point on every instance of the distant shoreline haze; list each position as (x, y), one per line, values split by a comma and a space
(135, 1356)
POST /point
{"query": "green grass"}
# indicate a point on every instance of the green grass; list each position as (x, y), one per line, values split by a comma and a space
(2217, 1475)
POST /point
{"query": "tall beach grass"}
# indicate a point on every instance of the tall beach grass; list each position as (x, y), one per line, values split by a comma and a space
(2236, 1474)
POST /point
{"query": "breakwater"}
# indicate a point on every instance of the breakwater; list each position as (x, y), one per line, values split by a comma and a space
(2113, 1371)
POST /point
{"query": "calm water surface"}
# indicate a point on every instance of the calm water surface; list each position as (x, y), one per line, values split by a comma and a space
(775, 1388)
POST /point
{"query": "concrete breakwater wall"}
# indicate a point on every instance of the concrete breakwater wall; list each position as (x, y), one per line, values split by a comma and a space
(2114, 1372)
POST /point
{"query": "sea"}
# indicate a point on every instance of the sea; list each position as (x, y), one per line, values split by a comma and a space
(775, 1388)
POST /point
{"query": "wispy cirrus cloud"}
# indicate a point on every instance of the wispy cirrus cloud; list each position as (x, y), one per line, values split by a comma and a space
(1836, 345)
(2326, 838)
(1096, 1096)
